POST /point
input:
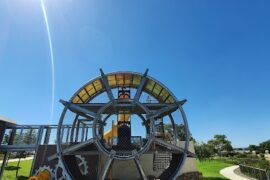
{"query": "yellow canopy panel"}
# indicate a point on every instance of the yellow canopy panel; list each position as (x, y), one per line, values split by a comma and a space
(123, 79)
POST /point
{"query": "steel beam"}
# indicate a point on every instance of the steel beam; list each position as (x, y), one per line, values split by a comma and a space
(140, 87)
(169, 146)
(106, 85)
(38, 142)
(3, 164)
(168, 109)
(174, 128)
(2, 131)
(77, 131)
(73, 128)
(139, 166)
(107, 165)
(105, 119)
(77, 109)
(172, 147)
(68, 131)
(73, 148)
(95, 107)
(17, 148)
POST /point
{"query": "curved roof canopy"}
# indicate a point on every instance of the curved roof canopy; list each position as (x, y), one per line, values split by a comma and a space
(6, 120)
(123, 79)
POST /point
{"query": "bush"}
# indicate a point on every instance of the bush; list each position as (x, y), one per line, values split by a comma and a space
(261, 164)
(240, 155)
(262, 155)
(203, 151)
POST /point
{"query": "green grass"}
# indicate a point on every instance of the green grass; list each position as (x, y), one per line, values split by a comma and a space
(23, 172)
(210, 169)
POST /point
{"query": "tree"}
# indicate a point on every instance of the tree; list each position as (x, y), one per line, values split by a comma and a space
(30, 136)
(180, 132)
(264, 146)
(204, 151)
(253, 148)
(220, 143)
(6, 139)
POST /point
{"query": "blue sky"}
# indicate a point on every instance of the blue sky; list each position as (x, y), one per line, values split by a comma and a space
(214, 53)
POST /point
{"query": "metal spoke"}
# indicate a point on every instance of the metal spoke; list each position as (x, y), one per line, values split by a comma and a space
(172, 147)
(106, 85)
(167, 145)
(73, 148)
(141, 85)
(78, 146)
(105, 119)
(78, 109)
(143, 119)
(107, 166)
(168, 109)
(174, 128)
(140, 168)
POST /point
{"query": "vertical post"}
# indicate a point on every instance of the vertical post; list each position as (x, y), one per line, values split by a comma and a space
(83, 132)
(38, 142)
(174, 129)
(73, 128)
(2, 133)
(21, 138)
(112, 132)
(86, 133)
(10, 141)
(47, 135)
(62, 132)
(3, 164)
(77, 131)
(68, 130)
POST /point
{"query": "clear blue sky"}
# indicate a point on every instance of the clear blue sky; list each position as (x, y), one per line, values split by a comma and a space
(214, 53)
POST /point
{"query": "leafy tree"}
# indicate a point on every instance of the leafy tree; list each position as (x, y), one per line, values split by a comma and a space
(264, 146)
(204, 151)
(180, 132)
(6, 139)
(220, 143)
(30, 136)
(253, 148)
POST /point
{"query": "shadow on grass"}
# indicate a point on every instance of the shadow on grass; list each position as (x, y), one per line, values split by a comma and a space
(22, 178)
(12, 168)
(213, 178)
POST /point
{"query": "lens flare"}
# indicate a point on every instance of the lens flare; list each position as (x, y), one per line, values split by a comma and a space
(51, 57)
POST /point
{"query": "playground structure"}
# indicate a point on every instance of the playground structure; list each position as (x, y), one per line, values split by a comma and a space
(117, 126)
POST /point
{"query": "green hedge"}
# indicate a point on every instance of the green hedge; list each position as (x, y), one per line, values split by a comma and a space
(254, 162)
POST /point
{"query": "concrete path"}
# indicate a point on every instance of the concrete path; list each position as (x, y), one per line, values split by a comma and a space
(17, 159)
(228, 172)
(22, 159)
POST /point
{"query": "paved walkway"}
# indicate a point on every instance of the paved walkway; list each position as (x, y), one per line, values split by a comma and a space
(22, 159)
(228, 172)
(17, 159)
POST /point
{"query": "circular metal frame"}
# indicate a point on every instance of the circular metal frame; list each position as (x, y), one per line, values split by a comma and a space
(150, 138)
(134, 153)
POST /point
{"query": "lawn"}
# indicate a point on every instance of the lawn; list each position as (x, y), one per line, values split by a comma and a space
(23, 172)
(210, 169)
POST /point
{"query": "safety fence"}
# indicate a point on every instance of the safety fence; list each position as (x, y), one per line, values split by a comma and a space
(260, 174)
